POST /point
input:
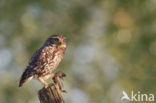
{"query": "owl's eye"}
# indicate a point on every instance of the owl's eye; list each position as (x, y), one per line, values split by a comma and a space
(56, 40)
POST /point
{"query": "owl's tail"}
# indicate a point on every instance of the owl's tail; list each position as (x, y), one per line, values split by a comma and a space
(26, 76)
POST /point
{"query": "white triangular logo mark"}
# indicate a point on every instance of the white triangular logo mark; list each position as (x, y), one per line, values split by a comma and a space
(125, 96)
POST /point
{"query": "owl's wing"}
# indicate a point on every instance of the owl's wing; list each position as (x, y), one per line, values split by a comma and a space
(45, 57)
(34, 59)
(29, 70)
(37, 63)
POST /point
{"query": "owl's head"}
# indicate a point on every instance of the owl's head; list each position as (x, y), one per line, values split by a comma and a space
(56, 40)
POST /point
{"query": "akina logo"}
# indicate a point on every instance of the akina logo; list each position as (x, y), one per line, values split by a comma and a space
(137, 96)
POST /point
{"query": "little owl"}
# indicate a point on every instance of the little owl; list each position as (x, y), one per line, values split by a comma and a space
(45, 60)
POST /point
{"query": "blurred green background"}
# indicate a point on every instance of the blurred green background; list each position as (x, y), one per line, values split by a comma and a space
(111, 47)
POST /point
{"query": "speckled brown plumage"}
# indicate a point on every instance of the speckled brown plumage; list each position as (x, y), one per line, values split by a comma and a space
(45, 60)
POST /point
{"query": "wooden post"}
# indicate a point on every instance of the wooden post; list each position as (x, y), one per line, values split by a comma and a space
(52, 94)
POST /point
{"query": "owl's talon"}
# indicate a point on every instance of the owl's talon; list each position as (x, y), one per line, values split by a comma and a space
(59, 74)
(64, 91)
(46, 86)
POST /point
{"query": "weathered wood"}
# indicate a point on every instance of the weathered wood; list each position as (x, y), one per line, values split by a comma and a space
(52, 94)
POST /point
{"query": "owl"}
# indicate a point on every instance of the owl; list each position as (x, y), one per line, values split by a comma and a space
(45, 60)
